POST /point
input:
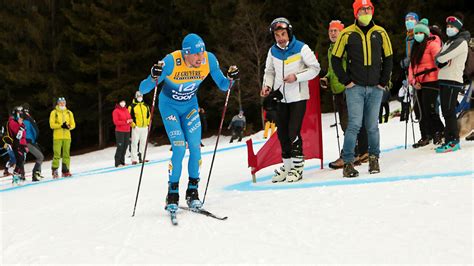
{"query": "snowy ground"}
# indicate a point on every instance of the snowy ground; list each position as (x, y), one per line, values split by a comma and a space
(419, 209)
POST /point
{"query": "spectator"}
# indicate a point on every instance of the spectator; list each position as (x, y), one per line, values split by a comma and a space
(365, 78)
(270, 118)
(451, 61)
(122, 121)
(32, 133)
(337, 88)
(290, 64)
(237, 125)
(423, 76)
(61, 121)
(17, 132)
(140, 114)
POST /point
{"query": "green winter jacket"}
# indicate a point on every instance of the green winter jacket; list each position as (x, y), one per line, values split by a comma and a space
(336, 86)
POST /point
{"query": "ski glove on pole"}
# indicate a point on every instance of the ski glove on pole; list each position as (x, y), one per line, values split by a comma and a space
(233, 73)
(157, 69)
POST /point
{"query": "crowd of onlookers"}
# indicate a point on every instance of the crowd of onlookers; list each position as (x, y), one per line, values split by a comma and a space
(20, 136)
(358, 75)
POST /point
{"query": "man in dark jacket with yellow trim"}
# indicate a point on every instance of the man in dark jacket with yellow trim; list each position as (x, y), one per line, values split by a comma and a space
(369, 55)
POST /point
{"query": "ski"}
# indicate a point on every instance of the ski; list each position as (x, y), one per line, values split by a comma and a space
(203, 212)
(174, 219)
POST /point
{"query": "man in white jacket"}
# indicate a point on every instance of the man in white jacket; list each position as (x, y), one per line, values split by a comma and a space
(290, 65)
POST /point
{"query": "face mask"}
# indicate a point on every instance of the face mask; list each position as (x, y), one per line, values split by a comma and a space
(122, 104)
(62, 107)
(451, 32)
(139, 99)
(410, 24)
(419, 37)
(365, 19)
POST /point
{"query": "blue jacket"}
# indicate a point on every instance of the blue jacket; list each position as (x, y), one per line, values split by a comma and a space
(32, 131)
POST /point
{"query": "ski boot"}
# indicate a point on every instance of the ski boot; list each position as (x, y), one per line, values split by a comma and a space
(172, 198)
(15, 178)
(296, 172)
(280, 174)
(192, 195)
(449, 147)
(349, 170)
(374, 167)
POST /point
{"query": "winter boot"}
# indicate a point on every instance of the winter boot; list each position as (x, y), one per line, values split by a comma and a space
(172, 198)
(55, 173)
(280, 174)
(296, 172)
(449, 147)
(422, 142)
(360, 159)
(37, 176)
(374, 167)
(67, 174)
(192, 195)
(349, 170)
(337, 164)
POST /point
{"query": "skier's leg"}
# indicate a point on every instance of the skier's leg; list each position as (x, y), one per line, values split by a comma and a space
(191, 124)
(171, 120)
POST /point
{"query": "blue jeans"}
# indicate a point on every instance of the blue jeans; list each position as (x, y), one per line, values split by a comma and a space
(363, 104)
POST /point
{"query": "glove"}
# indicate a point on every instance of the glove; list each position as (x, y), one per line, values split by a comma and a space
(323, 82)
(233, 73)
(157, 69)
(65, 125)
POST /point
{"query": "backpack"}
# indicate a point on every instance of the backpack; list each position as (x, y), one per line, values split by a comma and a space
(469, 66)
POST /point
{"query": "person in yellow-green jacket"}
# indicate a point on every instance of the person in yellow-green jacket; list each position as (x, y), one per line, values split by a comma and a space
(61, 122)
(140, 112)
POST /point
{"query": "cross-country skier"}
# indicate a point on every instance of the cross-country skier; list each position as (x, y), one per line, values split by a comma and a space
(182, 72)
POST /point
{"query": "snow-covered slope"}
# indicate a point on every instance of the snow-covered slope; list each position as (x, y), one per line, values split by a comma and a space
(417, 210)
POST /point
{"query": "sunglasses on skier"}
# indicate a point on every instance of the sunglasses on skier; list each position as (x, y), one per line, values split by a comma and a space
(279, 26)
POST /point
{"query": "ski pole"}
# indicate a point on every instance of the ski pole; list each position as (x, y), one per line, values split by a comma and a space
(146, 146)
(217, 141)
(335, 119)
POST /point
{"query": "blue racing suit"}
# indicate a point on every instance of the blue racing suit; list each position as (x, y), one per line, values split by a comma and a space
(179, 107)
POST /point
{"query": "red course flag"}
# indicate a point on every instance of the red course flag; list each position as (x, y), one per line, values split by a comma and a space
(311, 133)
